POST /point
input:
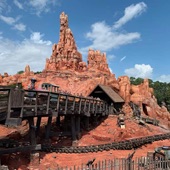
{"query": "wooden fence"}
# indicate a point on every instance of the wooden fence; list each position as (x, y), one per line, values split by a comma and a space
(142, 163)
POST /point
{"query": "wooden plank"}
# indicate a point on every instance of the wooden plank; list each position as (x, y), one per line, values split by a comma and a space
(74, 102)
(58, 103)
(48, 103)
(38, 125)
(73, 129)
(47, 134)
(9, 104)
(80, 104)
(32, 130)
(66, 102)
(22, 109)
(20, 149)
(85, 105)
(78, 127)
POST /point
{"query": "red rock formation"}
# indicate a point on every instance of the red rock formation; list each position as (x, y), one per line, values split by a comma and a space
(27, 70)
(1, 78)
(124, 87)
(143, 96)
(6, 75)
(64, 54)
(97, 60)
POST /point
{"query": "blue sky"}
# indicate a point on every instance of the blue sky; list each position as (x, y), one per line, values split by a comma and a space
(134, 34)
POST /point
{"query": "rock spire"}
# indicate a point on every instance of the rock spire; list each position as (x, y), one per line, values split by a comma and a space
(64, 54)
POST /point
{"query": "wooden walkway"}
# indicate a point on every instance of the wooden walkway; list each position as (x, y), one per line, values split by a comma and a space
(17, 105)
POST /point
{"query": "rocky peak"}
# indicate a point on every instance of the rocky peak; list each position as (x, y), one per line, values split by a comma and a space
(64, 54)
(97, 60)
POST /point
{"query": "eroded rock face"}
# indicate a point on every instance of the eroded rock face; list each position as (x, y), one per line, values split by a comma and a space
(65, 54)
(142, 95)
(97, 60)
(124, 87)
(27, 70)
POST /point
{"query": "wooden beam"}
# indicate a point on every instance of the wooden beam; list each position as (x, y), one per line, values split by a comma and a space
(48, 127)
(32, 130)
(38, 125)
(73, 128)
(78, 132)
(20, 149)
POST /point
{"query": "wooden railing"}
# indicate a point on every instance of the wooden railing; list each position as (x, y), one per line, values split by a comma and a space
(23, 103)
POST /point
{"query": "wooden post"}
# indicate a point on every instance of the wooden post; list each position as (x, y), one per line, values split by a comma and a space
(58, 121)
(9, 104)
(66, 102)
(73, 129)
(78, 127)
(86, 123)
(80, 108)
(22, 105)
(38, 125)
(48, 103)
(32, 129)
(48, 127)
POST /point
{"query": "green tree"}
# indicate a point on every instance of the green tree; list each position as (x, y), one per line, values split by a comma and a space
(20, 72)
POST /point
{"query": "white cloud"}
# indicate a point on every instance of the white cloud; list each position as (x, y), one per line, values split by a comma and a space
(103, 37)
(1, 35)
(110, 57)
(140, 70)
(36, 37)
(131, 12)
(123, 58)
(3, 5)
(8, 20)
(20, 27)
(106, 37)
(13, 21)
(164, 78)
(42, 5)
(18, 4)
(16, 55)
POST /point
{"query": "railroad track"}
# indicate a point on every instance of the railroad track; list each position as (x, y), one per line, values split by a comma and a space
(122, 145)
(10, 146)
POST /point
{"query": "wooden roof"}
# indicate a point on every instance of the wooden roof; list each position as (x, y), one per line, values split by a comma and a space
(115, 97)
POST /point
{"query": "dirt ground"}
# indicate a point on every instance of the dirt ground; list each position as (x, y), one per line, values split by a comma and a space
(107, 131)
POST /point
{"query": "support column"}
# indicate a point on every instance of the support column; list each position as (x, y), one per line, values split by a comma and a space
(48, 127)
(73, 128)
(34, 156)
(58, 121)
(32, 130)
(38, 125)
(87, 123)
(78, 127)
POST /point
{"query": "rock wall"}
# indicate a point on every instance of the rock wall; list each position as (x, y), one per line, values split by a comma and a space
(97, 61)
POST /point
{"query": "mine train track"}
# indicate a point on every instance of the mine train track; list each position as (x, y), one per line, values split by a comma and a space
(129, 144)
(121, 145)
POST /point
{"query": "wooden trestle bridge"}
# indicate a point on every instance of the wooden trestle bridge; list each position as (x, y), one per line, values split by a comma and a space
(18, 104)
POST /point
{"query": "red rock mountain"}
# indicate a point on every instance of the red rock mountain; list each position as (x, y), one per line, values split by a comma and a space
(66, 68)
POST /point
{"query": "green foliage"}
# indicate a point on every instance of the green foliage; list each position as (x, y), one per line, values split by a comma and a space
(161, 90)
(38, 72)
(20, 72)
(136, 81)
